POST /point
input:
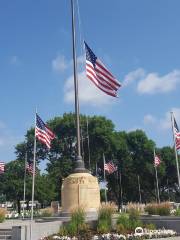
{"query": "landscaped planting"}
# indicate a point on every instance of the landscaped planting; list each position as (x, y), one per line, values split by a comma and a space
(162, 209)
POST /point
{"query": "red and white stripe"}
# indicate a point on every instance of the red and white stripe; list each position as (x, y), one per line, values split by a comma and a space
(2, 167)
(45, 136)
(177, 138)
(110, 167)
(157, 161)
(102, 78)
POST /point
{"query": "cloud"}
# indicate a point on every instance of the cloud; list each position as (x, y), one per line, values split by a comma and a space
(163, 123)
(149, 119)
(133, 76)
(14, 60)
(153, 83)
(88, 92)
(59, 64)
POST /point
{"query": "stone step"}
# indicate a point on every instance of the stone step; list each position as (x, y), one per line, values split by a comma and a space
(5, 237)
(4, 232)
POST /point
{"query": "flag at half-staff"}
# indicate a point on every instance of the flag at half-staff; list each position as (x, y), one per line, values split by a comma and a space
(29, 167)
(110, 167)
(176, 138)
(176, 135)
(157, 161)
(43, 133)
(99, 74)
(2, 167)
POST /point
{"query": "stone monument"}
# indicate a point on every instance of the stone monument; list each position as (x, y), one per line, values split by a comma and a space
(80, 190)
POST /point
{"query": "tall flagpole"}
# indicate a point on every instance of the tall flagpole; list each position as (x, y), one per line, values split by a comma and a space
(89, 154)
(175, 150)
(157, 183)
(104, 161)
(33, 180)
(24, 197)
(79, 161)
(139, 187)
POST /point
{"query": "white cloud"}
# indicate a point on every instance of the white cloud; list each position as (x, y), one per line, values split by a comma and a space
(59, 64)
(133, 76)
(164, 123)
(149, 119)
(88, 92)
(14, 60)
(153, 83)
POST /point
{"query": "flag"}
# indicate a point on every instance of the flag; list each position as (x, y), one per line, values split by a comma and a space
(99, 74)
(110, 167)
(43, 133)
(157, 161)
(29, 167)
(176, 135)
(2, 167)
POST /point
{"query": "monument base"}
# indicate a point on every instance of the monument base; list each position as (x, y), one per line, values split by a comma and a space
(80, 190)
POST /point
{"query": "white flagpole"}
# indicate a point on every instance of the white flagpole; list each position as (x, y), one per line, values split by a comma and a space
(104, 161)
(89, 155)
(157, 183)
(175, 150)
(24, 198)
(139, 187)
(33, 180)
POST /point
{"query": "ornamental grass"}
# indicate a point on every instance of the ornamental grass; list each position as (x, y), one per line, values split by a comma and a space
(162, 209)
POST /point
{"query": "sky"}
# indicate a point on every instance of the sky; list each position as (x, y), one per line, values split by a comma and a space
(137, 40)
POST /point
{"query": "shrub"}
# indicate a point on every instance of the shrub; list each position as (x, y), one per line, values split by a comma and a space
(103, 226)
(77, 224)
(123, 219)
(177, 212)
(104, 218)
(150, 226)
(47, 212)
(72, 229)
(138, 206)
(2, 214)
(121, 229)
(162, 209)
(63, 231)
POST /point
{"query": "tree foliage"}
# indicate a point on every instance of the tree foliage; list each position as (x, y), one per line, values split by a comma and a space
(131, 151)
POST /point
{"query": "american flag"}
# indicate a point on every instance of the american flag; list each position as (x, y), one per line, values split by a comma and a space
(110, 167)
(176, 135)
(29, 167)
(157, 161)
(99, 74)
(2, 167)
(43, 133)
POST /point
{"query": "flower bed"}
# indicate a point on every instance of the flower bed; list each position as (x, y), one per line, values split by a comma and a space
(139, 233)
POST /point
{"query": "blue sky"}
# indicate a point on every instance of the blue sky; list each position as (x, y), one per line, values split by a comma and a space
(137, 40)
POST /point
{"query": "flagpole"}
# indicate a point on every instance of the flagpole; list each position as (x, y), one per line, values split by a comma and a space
(33, 179)
(96, 170)
(168, 189)
(24, 198)
(89, 154)
(139, 187)
(79, 161)
(175, 150)
(104, 161)
(157, 184)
